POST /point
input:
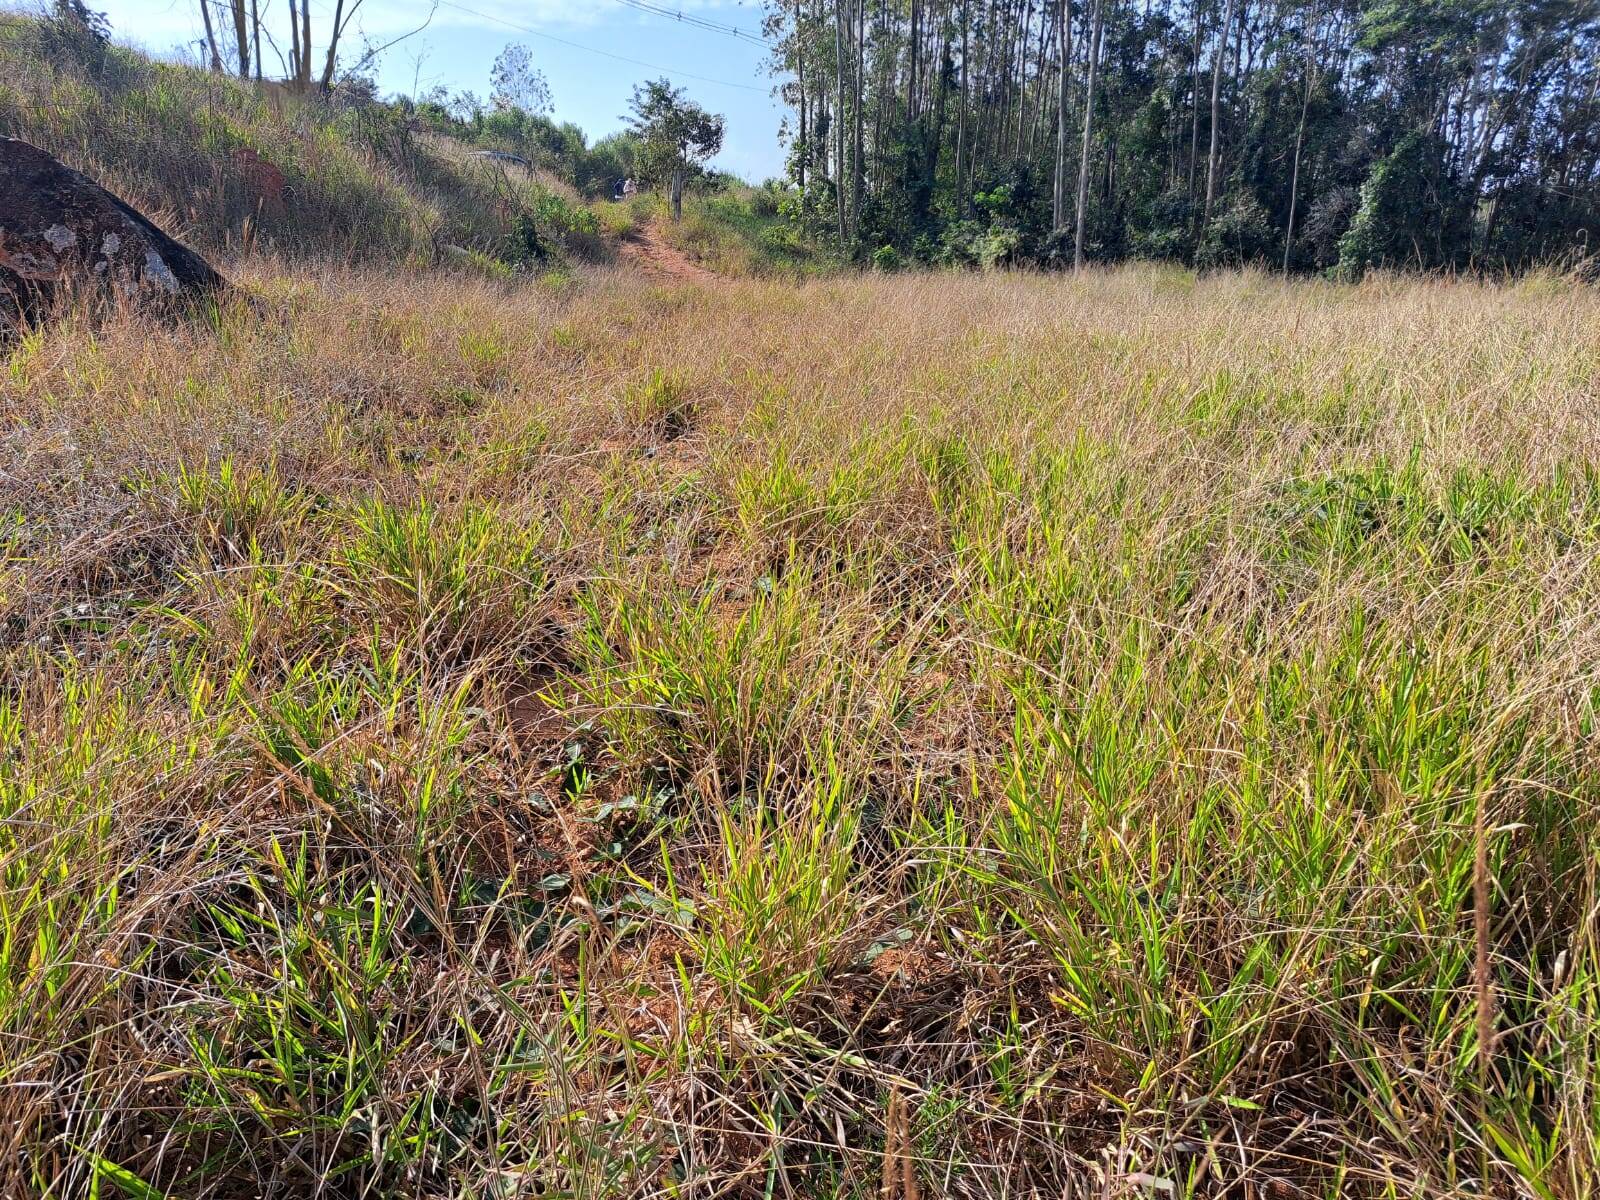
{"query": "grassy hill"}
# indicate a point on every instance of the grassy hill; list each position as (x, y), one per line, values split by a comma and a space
(903, 735)
(230, 165)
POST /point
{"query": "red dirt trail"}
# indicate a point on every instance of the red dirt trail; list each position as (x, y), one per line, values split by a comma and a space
(647, 250)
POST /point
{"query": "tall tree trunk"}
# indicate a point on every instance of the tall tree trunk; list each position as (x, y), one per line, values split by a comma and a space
(294, 42)
(1194, 106)
(1013, 47)
(305, 46)
(1299, 142)
(1023, 111)
(933, 142)
(886, 103)
(985, 90)
(1294, 191)
(332, 61)
(838, 116)
(1088, 131)
(858, 157)
(804, 149)
(1242, 65)
(1216, 124)
(1036, 117)
(961, 124)
(211, 37)
(241, 35)
(916, 47)
(255, 20)
(1059, 215)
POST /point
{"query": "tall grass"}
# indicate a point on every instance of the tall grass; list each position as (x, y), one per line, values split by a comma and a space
(1003, 735)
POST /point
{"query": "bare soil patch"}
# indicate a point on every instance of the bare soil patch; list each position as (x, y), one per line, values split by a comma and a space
(651, 253)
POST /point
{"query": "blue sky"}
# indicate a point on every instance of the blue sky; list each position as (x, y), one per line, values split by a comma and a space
(565, 36)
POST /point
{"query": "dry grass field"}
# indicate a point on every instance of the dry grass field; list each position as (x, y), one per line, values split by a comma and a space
(897, 737)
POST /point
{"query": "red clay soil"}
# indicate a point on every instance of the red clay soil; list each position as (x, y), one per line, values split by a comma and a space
(651, 253)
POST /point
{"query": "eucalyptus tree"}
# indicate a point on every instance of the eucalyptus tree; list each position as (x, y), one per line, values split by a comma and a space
(1334, 134)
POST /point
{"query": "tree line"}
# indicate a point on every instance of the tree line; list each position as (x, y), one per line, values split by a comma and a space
(1309, 134)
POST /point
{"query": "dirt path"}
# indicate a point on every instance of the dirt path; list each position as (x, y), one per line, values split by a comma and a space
(647, 250)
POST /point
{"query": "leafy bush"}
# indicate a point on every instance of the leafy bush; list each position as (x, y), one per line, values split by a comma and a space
(1410, 213)
(522, 243)
(1240, 234)
(960, 243)
(1000, 246)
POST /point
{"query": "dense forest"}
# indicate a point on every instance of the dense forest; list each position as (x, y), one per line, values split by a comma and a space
(1308, 134)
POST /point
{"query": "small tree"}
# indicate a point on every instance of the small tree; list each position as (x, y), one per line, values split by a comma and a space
(675, 136)
(514, 82)
(465, 108)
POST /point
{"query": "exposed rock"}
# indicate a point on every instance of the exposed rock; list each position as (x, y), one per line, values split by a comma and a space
(61, 232)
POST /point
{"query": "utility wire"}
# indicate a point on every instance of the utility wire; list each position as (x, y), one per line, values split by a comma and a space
(638, 62)
(697, 22)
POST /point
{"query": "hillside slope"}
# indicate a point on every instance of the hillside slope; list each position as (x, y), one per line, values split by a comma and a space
(229, 165)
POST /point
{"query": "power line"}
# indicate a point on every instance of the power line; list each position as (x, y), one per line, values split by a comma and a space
(692, 19)
(638, 62)
(697, 22)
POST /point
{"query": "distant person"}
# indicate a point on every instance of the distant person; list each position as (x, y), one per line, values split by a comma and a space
(629, 188)
(619, 188)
